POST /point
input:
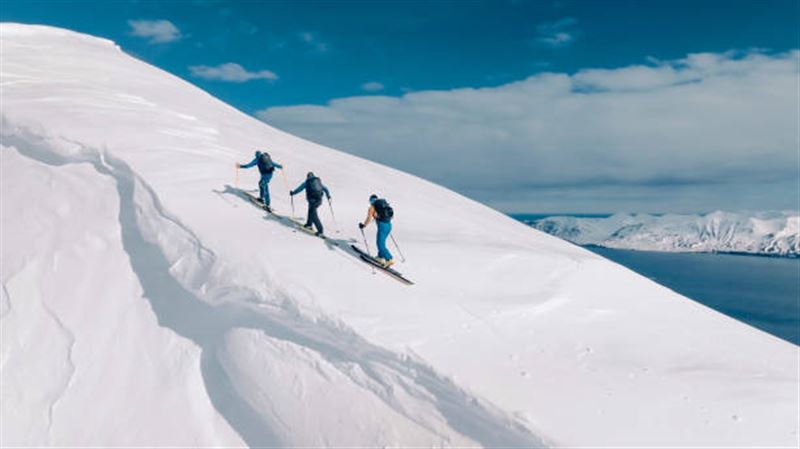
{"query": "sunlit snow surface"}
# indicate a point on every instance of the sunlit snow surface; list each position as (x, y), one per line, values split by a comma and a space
(768, 233)
(144, 303)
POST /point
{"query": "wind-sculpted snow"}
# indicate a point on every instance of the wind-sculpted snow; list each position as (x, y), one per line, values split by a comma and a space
(768, 233)
(409, 402)
(81, 351)
(147, 303)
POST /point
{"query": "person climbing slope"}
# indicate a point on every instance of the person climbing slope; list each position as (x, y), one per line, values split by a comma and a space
(314, 191)
(266, 166)
(382, 213)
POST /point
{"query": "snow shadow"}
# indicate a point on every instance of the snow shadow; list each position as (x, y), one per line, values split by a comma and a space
(334, 244)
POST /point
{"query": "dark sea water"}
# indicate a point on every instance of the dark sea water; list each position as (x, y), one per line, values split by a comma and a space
(763, 292)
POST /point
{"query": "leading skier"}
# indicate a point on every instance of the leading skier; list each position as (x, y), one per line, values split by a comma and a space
(266, 166)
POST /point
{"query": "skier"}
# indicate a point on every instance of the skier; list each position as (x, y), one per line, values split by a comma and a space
(380, 210)
(314, 190)
(266, 166)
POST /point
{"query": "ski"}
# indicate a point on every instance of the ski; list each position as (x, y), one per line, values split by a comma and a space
(255, 200)
(388, 271)
(309, 231)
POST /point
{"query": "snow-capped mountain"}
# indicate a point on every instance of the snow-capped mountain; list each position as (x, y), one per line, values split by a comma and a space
(146, 303)
(772, 233)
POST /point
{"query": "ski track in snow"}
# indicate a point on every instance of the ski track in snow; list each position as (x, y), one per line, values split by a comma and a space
(207, 317)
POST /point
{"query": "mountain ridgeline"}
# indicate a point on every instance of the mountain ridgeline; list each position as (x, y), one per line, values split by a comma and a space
(759, 233)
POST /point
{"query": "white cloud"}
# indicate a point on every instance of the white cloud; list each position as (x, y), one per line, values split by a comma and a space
(372, 86)
(694, 130)
(314, 41)
(231, 72)
(157, 31)
(560, 33)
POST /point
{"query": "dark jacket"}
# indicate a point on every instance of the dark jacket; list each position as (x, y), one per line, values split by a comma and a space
(304, 186)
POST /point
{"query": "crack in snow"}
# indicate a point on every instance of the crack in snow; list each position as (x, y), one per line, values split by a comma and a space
(5, 310)
(70, 337)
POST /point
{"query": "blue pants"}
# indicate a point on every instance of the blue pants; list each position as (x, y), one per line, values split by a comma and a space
(263, 187)
(384, 228)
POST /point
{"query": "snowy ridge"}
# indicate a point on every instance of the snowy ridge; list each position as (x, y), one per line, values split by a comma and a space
(767, 233)
(139, 281)
(225, 333)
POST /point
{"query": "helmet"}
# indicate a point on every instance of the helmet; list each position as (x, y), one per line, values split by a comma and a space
(310, 175)
(373, 198)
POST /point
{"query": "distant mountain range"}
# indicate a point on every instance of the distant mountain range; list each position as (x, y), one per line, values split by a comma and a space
(767, 233)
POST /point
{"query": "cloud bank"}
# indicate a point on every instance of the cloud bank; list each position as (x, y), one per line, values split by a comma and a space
(230, 72)
(703, 132)
(157, 31)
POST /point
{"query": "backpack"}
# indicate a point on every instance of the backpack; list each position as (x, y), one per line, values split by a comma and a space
(265, 164)
(384, 210)
(314, 188)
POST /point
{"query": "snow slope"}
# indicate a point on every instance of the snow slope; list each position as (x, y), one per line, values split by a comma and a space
(770, 233)
(144, 303)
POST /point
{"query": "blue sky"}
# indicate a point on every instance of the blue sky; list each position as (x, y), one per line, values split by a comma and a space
(297, 65)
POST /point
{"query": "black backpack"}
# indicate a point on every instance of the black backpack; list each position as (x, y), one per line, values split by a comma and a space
(314, 188)
(265, 164)
(384, 210)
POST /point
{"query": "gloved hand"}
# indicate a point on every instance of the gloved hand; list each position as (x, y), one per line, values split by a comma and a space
(361, 225)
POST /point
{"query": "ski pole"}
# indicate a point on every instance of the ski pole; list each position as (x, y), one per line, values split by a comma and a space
(286, 183)
(402, 257)
(366, 245)
(332, 215)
